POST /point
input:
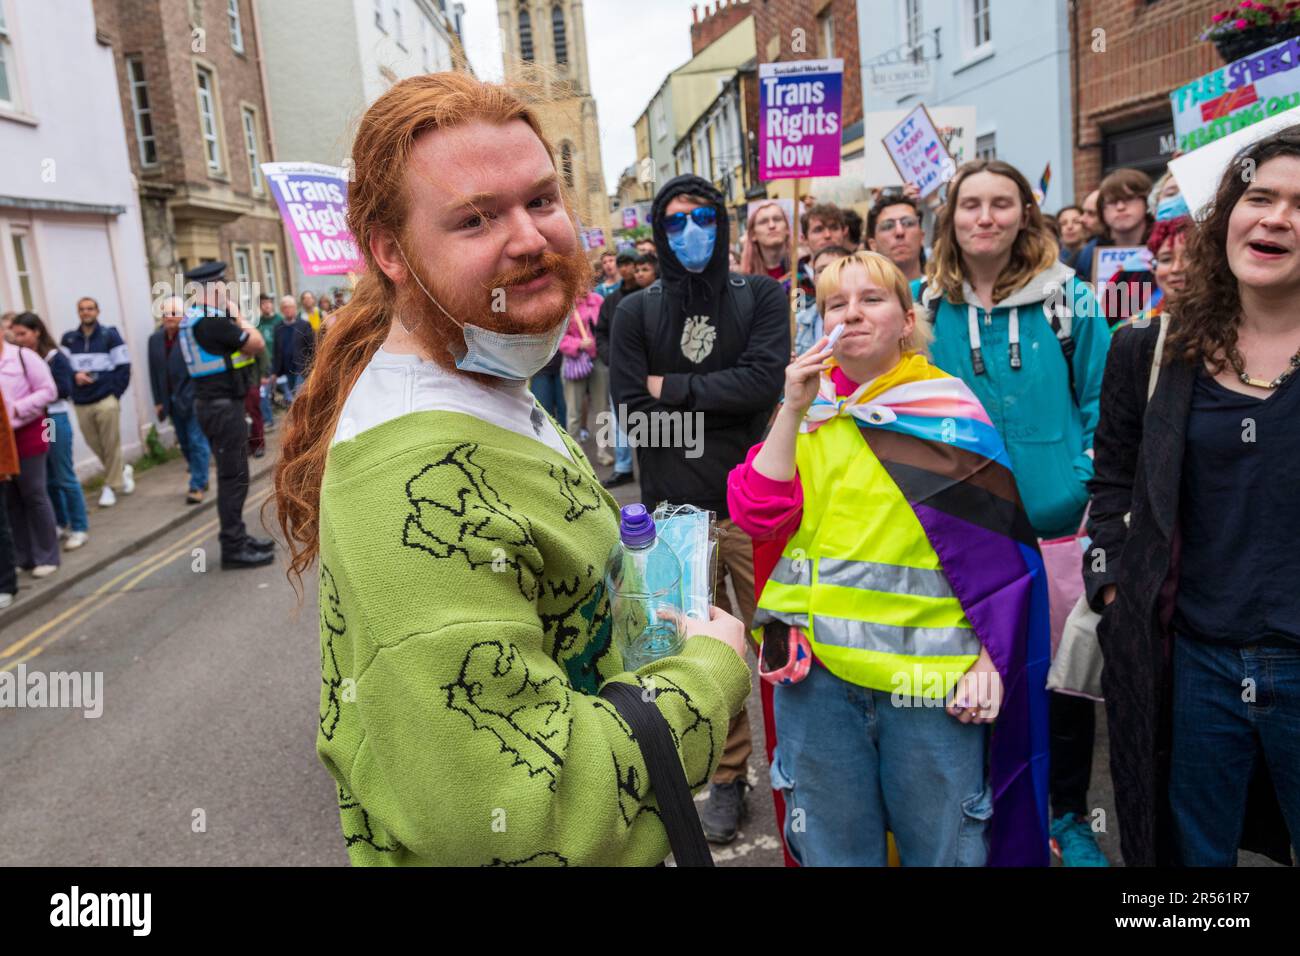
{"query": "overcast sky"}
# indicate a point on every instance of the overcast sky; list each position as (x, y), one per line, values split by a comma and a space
(629, 53)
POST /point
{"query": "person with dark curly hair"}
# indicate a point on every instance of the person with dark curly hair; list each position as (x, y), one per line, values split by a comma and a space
(1193, 561)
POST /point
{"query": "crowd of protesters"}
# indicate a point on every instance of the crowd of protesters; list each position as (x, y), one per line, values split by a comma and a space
(1061, 357)
(42, 381)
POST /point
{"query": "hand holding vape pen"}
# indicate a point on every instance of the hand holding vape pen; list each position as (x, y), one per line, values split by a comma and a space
(834, 337)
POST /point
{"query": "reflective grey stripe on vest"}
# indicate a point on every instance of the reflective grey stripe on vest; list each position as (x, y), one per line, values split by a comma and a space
(797, 571)
(890, 578)
(891, 639)
(763, 616)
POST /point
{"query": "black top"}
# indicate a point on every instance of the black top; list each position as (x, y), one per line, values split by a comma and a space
(1240, 572)
(220, 335)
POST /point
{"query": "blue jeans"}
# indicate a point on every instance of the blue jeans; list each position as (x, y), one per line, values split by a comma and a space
(622, 450)
(289, 387)
(548, 389)
(1218, 737)
(853, 765)
(61, 478)
(268, 413)
(194, 447)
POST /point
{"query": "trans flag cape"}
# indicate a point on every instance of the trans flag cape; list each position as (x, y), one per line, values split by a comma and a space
(935, 440)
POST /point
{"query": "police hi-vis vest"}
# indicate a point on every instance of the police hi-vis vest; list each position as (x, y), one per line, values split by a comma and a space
(198, 360)
(861, 578)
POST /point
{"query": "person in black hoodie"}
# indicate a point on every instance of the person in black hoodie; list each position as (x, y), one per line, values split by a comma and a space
(709, 348)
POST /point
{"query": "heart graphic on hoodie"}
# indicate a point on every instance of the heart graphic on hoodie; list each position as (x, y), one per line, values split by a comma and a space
(697, 338)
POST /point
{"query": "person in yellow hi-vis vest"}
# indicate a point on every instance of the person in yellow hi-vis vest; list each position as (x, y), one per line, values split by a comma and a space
(905, 626)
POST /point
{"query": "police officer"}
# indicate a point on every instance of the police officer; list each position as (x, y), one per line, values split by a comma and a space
(220, 352)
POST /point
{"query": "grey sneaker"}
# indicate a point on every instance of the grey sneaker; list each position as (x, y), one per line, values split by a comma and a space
(722, 814)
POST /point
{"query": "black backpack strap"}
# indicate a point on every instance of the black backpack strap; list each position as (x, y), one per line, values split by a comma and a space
(1065, 339)
(933, 308)
(664, 767)
(654, 296)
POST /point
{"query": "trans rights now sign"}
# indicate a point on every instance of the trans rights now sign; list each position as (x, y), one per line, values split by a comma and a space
(1238, 95)
(799, 118)
(313, 201)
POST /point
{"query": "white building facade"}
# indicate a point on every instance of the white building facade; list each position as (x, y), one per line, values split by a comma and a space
(326, 61)
(70, 221)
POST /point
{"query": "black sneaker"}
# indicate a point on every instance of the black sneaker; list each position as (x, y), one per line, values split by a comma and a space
(722, 814)
(618, 478)
(246, 557)
(259, 544)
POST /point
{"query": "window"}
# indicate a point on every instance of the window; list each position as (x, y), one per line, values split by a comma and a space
(379, 15)
(986, 146)
(144, 137)
(557, 34)
(566, 164)
(525, 35)
(24, 270)
(826, 32)
(661, 120)
(397, 22)
(979, 26)
(8, 73)
(271, 275)
(426, 45)
(244, 280)
(913, 25)
(208, 119)
(250, 147)
(236, 31)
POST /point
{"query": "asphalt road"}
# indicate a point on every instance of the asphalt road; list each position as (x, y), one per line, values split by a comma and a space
(204, 752)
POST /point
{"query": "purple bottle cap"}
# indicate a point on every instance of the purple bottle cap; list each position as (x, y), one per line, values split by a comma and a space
(636, 527)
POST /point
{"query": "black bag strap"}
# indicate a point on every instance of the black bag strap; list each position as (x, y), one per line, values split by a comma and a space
(667, 778)
(742, 293)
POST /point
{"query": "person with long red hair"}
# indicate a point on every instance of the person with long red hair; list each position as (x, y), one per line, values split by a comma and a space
(460, 534)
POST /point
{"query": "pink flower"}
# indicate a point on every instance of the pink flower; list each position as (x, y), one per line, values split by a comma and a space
(1219, 17)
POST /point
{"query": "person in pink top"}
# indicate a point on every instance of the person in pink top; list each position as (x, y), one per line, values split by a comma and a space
(888, 641)
(586, 377)
(28, 387)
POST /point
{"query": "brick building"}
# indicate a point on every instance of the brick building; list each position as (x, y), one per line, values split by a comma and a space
(811, 30)
(1121, 91)
(717, 19)
(190, 81)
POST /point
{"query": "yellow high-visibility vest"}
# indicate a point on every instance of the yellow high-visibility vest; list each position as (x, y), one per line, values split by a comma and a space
(861, 578)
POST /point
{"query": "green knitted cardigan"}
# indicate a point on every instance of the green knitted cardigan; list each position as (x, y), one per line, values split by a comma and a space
(465, 635)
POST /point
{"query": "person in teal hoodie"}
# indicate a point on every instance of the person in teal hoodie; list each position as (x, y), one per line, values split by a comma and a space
(1026, 335)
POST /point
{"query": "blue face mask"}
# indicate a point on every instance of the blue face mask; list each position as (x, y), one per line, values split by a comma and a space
(516, 357)
(1172, 208)
(693, 246)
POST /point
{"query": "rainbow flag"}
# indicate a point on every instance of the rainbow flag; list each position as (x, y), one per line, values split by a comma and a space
(1044, 183)
(937, 443)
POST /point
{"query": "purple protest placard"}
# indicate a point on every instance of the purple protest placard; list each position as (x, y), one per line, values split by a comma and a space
(313, 201)
(799, 118)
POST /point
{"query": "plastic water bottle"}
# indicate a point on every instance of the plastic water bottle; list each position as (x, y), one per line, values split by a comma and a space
(644, 578)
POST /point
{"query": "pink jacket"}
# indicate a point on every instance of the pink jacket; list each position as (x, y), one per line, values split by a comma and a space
(27, 384)
(586, 313)
(763, 507)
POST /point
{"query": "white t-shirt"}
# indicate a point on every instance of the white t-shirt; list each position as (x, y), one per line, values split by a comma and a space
(395, 385)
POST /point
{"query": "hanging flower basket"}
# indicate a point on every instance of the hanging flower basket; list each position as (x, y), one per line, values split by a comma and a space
(1251, 26)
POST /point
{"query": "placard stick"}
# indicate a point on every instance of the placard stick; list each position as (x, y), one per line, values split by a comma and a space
(794, 262)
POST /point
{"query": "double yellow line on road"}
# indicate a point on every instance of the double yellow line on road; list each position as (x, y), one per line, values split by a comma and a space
(70, 617)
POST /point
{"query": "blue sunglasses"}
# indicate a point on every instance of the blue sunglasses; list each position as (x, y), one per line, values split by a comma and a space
(704, 217)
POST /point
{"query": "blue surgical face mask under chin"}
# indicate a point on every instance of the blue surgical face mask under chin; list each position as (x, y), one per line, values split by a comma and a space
(515, 356)
(1172, 208)
(693, 246)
